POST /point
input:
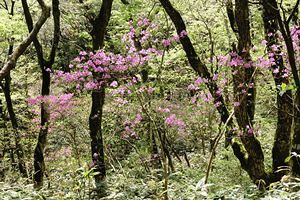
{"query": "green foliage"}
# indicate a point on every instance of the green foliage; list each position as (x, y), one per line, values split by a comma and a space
(131, 170)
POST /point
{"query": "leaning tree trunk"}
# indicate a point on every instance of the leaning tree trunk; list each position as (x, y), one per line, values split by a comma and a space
(99, 25)
(14, 122)
(282, 139)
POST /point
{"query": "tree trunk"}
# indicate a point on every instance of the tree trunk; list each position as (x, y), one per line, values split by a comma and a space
(296, 137)
(98, 32)
(39, 164)
(245, 95)
(45, 65)
(13, 119)
(283, 24)
(282, 139)
(95, 121)
(253, 148)
(4, 140)
(12, 115)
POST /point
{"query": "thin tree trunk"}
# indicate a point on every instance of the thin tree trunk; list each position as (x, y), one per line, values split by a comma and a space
(39, 163)
(14, 122)
(12, 115)
(45, 65)
(4, 140)
(95, 122)
(99, 25)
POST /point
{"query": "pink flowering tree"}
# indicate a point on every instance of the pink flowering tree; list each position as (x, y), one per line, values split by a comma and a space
(122, 75)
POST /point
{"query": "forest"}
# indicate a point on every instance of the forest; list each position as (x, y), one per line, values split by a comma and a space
(157, 99)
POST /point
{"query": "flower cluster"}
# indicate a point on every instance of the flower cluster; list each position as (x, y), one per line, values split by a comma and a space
(57, 106)
(130, 126)
(174, 39)
(172, 120)
(95, 70)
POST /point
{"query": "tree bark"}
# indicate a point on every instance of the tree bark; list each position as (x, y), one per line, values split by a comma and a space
(14, 122)
(284, 28)
(45, 66)
(10, 109)
(98, 32)
(252, 159)
(282, 139)
(245, 111)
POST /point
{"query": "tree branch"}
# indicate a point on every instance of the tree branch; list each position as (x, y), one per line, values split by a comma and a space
(295, 9)
(125, 2)
(56, 34)
(36, 43)
(194, 60)
(12, 60)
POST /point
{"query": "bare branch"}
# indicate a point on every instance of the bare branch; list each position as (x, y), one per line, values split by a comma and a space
(125, 2)
(295, 9)
(12, 8)
(56, 33)
(11, 62)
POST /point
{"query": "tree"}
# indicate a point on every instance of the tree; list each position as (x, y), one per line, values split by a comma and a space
(250, 152)
(99, 26)
(45, 66)
(282, 139)
(9, 105)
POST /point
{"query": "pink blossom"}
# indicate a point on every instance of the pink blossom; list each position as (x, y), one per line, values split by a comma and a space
(165, 110)
(236, 104)
(183, 34)
(175, 38)
(173, 121)
(192, 87)
(264, 42)
(150, 90)
(166, 42)
(276, 71)
(138, 118)
(194, 99)
(215, 77)
(217, 104)
(146, 22)
(114, 84)
(199, 81)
